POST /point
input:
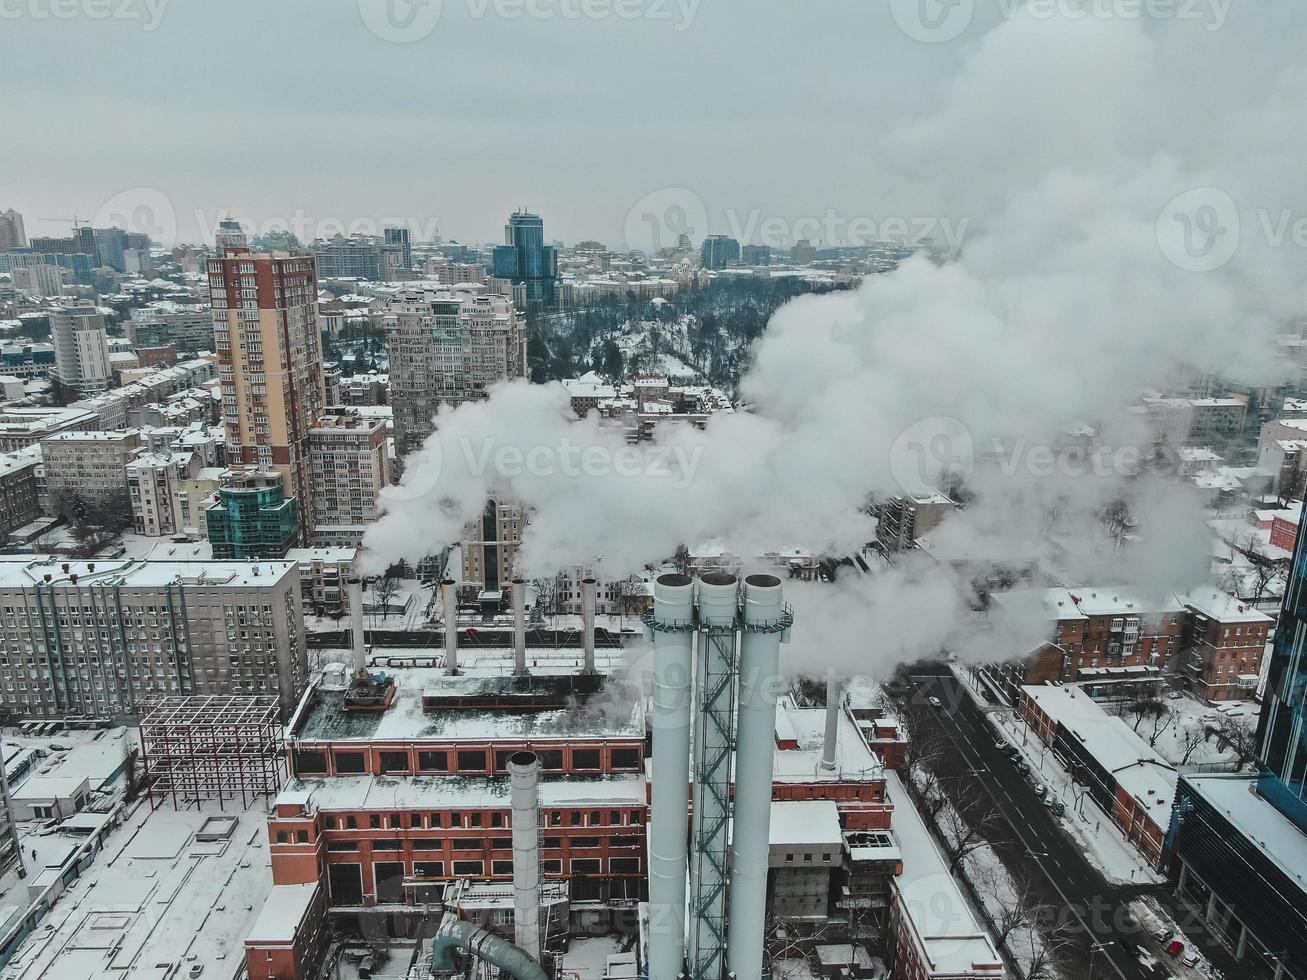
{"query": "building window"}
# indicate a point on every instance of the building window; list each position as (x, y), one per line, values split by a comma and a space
(585, 758)
(433, 761)
(394, 762)
(471, 761)
(310, 762)
(283, 837)
(624, 866)
(626, 758)
(551, 759)
(501, 867)
(429, 869)
(301, 837)
(586, 866)
(469, 868)
(427, 844)
(585, 842)
(349, 762)
(342, 845)
(386, 844)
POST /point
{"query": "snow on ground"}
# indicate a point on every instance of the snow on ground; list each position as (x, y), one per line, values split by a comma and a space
(792, 970)
(1096, 834)
(1188, 714)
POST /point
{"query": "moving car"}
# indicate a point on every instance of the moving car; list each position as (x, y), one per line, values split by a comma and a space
(936, 702)
(1174, 948)
(1163, 934)
(1190, 958)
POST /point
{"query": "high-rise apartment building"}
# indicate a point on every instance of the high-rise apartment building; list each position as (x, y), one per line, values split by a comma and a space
(350, 459)
(447, 348)
(94, 638)
(251, 516)
(12, 233)
(265, 331)
(81, 348)
(1282, 732)
(524, 259)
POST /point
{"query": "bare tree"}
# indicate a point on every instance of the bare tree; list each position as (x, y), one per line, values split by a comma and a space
(1162, 722)
(1292, 484)
(1240, 736)
(1024, 911)
(1190, 740)
(383, 590)
(549, 595)
(967, 824)
(1139, 711)
(1048, 958)
(1116, 522)
(1264, 568)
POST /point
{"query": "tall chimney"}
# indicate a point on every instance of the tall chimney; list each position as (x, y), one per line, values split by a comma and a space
(717, 599)
(449, 596)
(588, 588)
(518, 594)
(524, 774)
(834, 694)
(359, 646)
(755, 749)
(672, 628)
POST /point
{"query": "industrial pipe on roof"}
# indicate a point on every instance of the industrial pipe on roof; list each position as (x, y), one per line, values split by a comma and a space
(449, 597)
(518, 597)
(671, 628)
(358, 647)
(834, 695)
(755, 749)
(454, 933)
(524, 776)
(588, 589)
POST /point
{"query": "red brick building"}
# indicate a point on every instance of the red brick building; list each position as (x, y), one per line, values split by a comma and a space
(1224, 640)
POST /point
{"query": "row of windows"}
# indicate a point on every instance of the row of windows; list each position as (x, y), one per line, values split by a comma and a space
(495, 843)
(465, 760)
(455, 820)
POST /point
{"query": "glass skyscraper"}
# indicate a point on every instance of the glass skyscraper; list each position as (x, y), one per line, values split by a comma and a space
(1282, 731)
(525, 259)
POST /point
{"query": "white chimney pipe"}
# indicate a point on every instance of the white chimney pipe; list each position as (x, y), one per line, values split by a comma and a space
(588, 590)
(673, 637)
(449, 595)
(717, 600)
(359, 646)
(760, 664)
(834, 695)
(518, 594)
(524, 773)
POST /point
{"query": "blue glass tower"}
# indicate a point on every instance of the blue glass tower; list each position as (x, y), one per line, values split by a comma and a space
(526, 259)
(1282, 730)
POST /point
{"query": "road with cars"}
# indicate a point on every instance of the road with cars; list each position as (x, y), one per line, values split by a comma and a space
(1107, 940)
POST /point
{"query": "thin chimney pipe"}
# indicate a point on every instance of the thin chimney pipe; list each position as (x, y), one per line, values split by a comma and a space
(589, 587)
(524, 776)
(358, 646)
(518, 597)
(834, 695)
(449, 595)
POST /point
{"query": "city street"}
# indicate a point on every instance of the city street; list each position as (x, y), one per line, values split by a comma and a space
(1107, 939)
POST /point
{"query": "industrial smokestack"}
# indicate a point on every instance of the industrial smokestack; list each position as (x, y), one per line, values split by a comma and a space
(834, 693)
(717, 599)
(524, 773)
(588, 589)
(358, 647)
(765, 619)
(449, 598)
(518, 594)
(672, 626)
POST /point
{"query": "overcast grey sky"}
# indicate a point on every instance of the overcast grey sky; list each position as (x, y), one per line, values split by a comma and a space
(294, 107)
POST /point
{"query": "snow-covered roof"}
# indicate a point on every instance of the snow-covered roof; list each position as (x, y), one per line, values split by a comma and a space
(17, 571)
(805, 822)
(1221, 606)
(1136, 766)
(440, 792)
(282, 913)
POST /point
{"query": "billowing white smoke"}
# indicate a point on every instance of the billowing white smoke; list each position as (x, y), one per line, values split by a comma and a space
(1063, 142)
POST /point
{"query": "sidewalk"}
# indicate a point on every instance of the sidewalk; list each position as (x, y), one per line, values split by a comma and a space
(1096, 834)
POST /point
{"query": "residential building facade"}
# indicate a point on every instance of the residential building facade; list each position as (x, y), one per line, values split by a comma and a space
(350, 460)
(270, 364)
(81, 348)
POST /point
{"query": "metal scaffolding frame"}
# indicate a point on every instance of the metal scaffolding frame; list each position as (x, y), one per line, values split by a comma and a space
(212, 747)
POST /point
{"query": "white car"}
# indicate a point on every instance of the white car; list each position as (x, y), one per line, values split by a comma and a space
(1190, 958)
(936, 702)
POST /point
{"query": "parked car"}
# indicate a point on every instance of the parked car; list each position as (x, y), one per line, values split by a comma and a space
(1163, 934)
(1059, 809)
(1174, 948)
(1190, 958)
(1050, 802)
(1040, 788)
(1174, 696)
(1023, 767)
